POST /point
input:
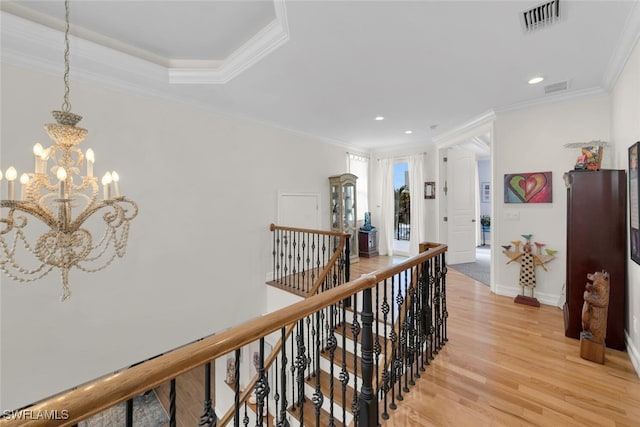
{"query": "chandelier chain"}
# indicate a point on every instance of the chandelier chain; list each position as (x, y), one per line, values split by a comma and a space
(66, 105)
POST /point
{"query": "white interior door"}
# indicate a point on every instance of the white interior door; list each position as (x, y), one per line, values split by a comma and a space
(461, 206)
(300, 210)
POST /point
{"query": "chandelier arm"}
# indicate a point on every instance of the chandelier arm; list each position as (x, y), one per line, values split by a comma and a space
(33, 210)
(119, 212)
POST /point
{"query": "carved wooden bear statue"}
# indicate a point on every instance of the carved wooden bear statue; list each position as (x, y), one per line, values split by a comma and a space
(596, 305)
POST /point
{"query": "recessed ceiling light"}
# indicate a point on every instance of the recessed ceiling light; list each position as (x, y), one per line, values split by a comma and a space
(408, 132)
(379, 118)
(535, 80)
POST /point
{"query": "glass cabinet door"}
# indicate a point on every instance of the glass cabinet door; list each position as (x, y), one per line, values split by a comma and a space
(348, 191)
(335, 208)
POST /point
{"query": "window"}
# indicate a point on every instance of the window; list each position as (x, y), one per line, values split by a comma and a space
(402, 198)
(359, 166)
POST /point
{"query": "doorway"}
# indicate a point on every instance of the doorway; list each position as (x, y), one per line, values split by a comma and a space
(466, 207)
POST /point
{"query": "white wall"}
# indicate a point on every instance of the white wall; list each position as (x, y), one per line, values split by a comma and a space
(207, 188)
(532, 140)
(625, 130)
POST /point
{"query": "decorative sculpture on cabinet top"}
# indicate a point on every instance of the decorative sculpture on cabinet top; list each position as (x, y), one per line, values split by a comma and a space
(594, 317)
(528, 261)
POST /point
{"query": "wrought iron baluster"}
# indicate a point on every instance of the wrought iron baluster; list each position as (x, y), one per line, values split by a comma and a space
(281, 266)
(236, 389)
(355, 329)
(332, 343)
(436, 307)
(309, 347)
(276, 394)
(432, 330)
(296, 258)
(377, 349)
(208, 417)
(245, 419)
(262, 386)
(412, 323)
(385, 365)
(129, 413)
(406, 321)
(445, 313)
(294, 402)
(399, 362)
(301, 363)
(394, 350)
(172, 403)
(368, 404)
(282, 421)
(318, 397)
(344, 374)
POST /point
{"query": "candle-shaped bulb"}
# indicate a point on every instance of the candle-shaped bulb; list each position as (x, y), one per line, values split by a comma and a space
(106, 183)
(107, 179)
(11, 174)
(37, 152)
(37, 149)
(0, 175)
(61, 174)
(116, 182)
(91, 158)
(24, 180)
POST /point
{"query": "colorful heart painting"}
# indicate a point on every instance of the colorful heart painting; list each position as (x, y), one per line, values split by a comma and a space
(528, 188)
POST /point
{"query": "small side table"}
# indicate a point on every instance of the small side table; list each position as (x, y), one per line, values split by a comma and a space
(485, 229)
(368, 243)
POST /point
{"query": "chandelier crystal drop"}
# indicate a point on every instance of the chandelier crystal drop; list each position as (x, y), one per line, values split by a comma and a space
(49, 220)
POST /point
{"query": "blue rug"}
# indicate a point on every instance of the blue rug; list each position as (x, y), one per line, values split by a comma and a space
(147, 412)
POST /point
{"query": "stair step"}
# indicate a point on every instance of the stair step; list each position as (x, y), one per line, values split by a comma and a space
(309, 415)
(325, 388)
(337, 359)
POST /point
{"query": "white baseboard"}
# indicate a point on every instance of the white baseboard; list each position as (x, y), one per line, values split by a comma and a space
(544, 297)
(634, 354)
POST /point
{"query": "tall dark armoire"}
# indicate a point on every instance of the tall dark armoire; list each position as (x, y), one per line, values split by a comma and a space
(596, 241)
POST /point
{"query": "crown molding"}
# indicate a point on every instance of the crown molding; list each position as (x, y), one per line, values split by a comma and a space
(459, 132)
(30, 44)
(624, 48)
(552, 99)
(270, 38)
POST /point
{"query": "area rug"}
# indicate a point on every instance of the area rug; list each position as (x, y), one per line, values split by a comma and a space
(147, 411)
(479, 270)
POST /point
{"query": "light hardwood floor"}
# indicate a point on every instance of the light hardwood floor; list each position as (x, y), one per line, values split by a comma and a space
(505, 364)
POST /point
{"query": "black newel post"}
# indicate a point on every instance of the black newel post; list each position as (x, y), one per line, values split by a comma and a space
(368, 403)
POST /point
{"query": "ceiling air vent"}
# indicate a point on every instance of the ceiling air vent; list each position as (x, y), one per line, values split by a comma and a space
(541, 15)
(556, 87)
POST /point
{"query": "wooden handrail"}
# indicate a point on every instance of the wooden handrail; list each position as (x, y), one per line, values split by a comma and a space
(274, 227)
(96, 396)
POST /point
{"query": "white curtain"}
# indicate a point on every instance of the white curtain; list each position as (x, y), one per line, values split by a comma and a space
(386, 208)
(416, 182)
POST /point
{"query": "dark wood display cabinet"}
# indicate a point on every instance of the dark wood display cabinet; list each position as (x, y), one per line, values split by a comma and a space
(596, 241)
(368, 243)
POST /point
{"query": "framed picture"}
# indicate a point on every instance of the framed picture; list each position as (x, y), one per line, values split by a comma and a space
(429, 190)
(534, 187)
(634, 203)
(485, 192)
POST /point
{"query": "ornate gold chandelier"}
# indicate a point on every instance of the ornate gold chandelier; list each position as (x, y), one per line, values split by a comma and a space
(63, 199)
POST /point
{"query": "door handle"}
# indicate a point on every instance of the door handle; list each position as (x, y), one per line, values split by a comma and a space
(473, 220)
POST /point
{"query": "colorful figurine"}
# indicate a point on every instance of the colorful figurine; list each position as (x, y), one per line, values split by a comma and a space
(528, 260)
